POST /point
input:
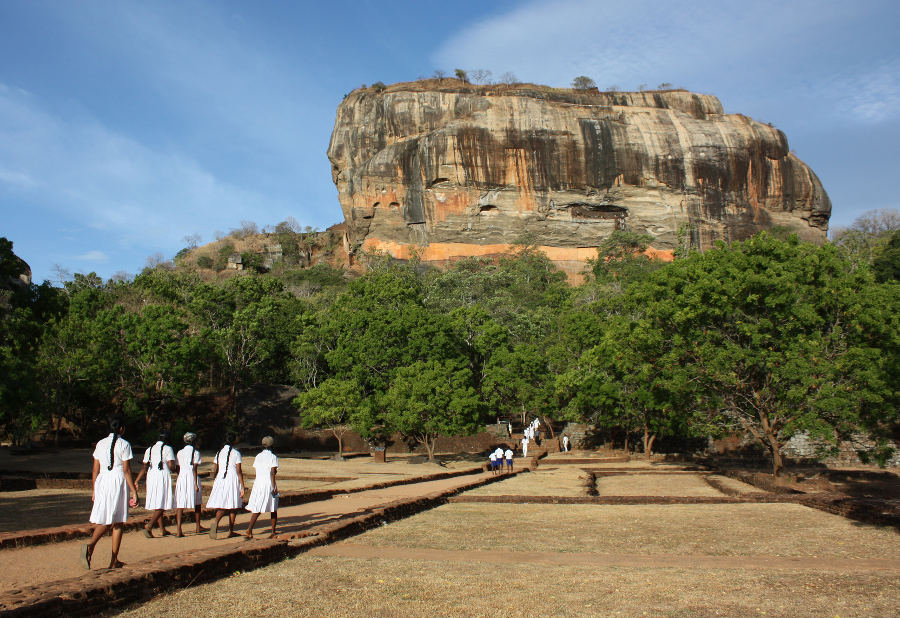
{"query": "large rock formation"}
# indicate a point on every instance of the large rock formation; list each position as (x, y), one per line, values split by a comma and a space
(459, 170)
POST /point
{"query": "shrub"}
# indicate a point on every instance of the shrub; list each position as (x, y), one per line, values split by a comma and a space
(583, 82)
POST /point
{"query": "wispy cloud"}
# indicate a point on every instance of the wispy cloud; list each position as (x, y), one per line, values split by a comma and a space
(92, 256)
(758, 51)
(872, 96)
(83, 169)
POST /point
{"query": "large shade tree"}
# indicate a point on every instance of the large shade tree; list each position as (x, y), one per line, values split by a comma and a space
(779, 337)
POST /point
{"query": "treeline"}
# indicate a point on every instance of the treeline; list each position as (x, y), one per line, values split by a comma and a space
(766, 337)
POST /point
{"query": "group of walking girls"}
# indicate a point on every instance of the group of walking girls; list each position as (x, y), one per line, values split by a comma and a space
(497, 459)
(114, 489)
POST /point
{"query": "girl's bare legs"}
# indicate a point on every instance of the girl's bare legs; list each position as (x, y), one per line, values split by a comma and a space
(178, 513)
(116, 544)
(274, 522)
(214, 530)
(197, 511)
(253, 518)
(232, 515)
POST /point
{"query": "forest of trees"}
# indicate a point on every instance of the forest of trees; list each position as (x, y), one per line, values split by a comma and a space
(766, 337)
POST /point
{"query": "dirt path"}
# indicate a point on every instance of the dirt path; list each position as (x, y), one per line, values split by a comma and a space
(44, 563)
(353, 550)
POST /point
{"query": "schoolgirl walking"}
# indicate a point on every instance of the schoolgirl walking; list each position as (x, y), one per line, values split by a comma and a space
(159, 463)
(228, 489)
(264, 496)
(112, 483)
(188, 493)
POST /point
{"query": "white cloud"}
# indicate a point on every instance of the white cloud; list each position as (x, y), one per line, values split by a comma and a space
(142, 196)
(762, 52)
(871, 96)
(92, 256)
(13, 179)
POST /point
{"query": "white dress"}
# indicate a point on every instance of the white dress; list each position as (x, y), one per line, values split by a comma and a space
(261, 498)
(226, 491)
(159, 482)
(110, 489)
(187, 494)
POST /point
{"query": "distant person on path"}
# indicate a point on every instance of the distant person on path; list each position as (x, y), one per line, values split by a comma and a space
(188, 493)
(159, 462)
(493, 460)
(112, 482)
(525, 446)
(509, 428)
(264, 496)
(498, 452)
(227, 494)
(565, 442)
(509, 459)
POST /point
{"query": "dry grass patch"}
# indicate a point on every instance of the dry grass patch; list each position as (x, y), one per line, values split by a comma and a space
(654, 485)
(735, 485)
(559, 482)
(43, 508)
(336, 586)
(708, 529)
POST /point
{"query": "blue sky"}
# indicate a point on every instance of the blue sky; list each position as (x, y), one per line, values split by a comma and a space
(126, 126)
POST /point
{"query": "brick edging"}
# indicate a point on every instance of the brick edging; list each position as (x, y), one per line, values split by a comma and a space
(142, 581)
(42, 536)
(755, 498)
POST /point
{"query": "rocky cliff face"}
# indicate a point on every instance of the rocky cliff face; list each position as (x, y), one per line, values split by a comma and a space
(459, 170)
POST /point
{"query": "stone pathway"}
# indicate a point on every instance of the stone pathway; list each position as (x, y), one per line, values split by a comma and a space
(41, 565)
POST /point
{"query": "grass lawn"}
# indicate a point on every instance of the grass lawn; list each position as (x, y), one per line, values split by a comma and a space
(337, 586)
(567, 481)
(707, 529)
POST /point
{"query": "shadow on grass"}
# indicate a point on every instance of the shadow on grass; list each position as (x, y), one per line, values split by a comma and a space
(36, 509)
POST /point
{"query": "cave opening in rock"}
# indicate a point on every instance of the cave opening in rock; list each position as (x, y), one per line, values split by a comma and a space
(598, 212)
(488, 209)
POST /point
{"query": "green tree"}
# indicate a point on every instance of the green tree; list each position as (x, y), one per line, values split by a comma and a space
(778, 337)
(582, 83)
(336, 404)
(431, 398)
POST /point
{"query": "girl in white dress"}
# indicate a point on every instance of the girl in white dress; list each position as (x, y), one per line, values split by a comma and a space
(264, 496)
(159, 463)
(227, 494)
(188, 494)
(111, 475)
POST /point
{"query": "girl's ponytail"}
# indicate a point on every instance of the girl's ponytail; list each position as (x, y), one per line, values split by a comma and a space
(163, 437)
(114, 425)
(230, 437)
(227, 457)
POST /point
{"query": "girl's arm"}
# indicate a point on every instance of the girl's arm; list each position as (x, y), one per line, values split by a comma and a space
(132, 485)
(95, 470)
(273, 472)
(240, 474)
(141, 474)
(172, 465)
(197, 478)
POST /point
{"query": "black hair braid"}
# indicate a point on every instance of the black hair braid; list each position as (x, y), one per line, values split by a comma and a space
(162, 447)
(193, 450)
(114, 425)
(227, 457)
(112, 446)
